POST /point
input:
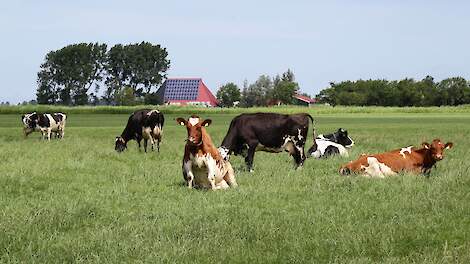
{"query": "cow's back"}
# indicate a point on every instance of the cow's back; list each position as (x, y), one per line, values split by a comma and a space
(269, 128)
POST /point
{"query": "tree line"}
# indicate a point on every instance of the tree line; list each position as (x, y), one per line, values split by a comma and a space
(129, 74)
(264, 91)
(407, 92)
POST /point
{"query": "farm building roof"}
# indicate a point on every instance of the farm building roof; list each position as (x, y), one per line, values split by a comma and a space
(305, 99)
(186, 91)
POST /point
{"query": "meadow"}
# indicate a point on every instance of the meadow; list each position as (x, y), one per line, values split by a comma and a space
(77, 200)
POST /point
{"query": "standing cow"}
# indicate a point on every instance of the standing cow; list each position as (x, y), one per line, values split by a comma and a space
(143, 124)
(409, 159)
(331, 144)
(268, 132)
(46, 123)
(203, 165)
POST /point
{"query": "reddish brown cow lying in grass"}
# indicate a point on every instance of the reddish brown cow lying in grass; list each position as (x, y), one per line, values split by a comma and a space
(203, 167)
(407, 159)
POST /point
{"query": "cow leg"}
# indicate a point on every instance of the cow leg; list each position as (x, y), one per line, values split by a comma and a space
(138, 144)
(250, 156)
(230, 176)
(145, 145)
(188, 174)
(297, 155)
(49, 132)
(152, 141)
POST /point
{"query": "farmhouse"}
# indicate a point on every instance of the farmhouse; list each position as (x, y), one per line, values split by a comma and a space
(186, 91)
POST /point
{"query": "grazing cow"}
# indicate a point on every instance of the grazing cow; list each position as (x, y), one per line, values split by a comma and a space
(331, 144)
(46, 123)
(268, 132)
(143, 124)
(407, 159)
(203, 166)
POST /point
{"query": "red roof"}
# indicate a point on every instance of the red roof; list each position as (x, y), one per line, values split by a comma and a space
(305, 98)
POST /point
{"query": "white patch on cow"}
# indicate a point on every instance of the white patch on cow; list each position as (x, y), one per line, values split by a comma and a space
(323, 144)
(206, 173)
(193, 121)
(376, 168)
(152, 111)
(299, 136)
(350, 145)
(403, 150)
(224, 153)
(287, 145)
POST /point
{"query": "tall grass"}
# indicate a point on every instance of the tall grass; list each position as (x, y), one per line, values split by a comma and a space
(77, 200)
(317, 109)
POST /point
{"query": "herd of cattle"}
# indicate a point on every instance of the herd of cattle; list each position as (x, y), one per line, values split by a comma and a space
(206, 166)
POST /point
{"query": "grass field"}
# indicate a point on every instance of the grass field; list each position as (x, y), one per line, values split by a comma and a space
(77, 200)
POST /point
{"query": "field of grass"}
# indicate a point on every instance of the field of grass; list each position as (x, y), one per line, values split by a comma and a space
(77, 200)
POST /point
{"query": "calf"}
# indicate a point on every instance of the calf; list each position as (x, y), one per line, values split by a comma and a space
(268, 132)
(143, 124)
(203, 166)
(407, 159)
(46, 123)
(331, 144)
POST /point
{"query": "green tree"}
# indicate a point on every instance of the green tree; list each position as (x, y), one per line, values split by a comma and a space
(256, 94)
(140, 66)
(454, 91)
(288, 76)
(228, 94)
(284, 91)
(126, 96)
(67, 74)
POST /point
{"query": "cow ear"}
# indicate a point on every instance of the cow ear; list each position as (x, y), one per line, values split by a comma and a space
(449, 145)
(426, 145)
(181, 121)
(206, 122)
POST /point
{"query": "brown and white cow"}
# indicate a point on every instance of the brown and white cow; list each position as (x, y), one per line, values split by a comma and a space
(203, 166)
(409, 159)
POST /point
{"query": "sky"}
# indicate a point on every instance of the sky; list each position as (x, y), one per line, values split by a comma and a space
(233, 41)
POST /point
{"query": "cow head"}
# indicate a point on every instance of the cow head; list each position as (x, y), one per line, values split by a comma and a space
(341, 137)
(437, 148)
(194, 127)
(120, 144)
(30, 122)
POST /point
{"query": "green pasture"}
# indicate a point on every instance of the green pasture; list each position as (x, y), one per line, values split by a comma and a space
(77, 200)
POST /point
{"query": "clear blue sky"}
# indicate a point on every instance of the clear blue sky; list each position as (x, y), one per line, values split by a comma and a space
(222, 41)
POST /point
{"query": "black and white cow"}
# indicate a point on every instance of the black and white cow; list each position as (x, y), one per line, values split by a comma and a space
(268, 132)
(331, 144)
(46, 123)
(143, 124)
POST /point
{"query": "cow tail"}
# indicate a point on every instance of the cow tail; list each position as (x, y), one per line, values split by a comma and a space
(314, 144)
(313, 126)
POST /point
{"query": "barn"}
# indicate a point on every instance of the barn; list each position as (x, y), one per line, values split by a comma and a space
(303, 100)
(186, 91)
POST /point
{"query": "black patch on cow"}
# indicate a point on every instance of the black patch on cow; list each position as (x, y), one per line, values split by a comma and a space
(340, 136)
(330, 151)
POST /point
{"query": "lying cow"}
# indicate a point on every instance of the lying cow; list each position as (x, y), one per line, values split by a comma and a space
(46, 123)
(331, 144)
(268, 132)
(407, 159)
(203, 167)
(143, 124)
